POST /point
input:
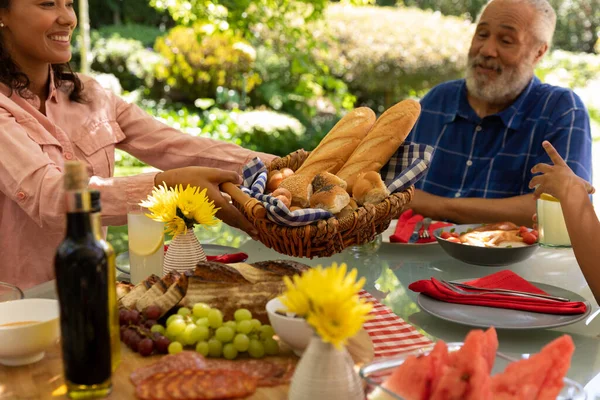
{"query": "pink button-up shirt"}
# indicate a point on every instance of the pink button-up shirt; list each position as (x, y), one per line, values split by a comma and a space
(34, 147)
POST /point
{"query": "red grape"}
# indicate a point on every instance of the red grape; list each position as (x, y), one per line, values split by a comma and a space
(153, 312)
(134, 341)
(134, 317)
(162, 345)
(150, 323)
(123, 317)
(145, 347)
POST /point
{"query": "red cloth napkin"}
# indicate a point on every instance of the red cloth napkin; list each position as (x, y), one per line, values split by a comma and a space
(500, 280)
(406, 227)
(224, 258)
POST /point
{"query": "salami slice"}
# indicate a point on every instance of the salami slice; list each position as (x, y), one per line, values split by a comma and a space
(220, 385)
(160, 384)
(267, 373)
(173, 362)
(143, 391)
(182, 386)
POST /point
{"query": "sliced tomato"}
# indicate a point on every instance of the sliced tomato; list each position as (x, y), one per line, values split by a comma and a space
(535, 233)
(454, 239)
(445, 235)
(528, 238)
(455, 234)
(523, 229)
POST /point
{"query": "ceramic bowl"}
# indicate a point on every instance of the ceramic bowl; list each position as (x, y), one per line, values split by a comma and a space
(294, 331)
(27, 328)
(484, 256)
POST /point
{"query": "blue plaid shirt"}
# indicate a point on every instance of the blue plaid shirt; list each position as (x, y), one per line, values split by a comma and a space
(492, 157)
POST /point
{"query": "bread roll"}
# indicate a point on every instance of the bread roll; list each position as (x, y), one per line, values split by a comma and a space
(300, 187)
(337, 146)
(274, 179)
(382, 142)
(282, 192)
(323, 179)
(353, 204)
(369, 188)
(330, 198)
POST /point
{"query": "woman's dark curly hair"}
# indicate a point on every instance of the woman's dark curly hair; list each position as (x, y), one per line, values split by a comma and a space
(12, 77)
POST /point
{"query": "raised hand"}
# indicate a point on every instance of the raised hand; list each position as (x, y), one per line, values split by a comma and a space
(556, 180)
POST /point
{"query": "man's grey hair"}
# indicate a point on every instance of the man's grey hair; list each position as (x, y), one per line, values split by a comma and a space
(545, 21)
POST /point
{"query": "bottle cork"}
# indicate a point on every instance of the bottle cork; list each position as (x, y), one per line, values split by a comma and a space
(76, 177)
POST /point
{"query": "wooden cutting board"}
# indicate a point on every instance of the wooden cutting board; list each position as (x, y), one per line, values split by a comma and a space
(43, 380)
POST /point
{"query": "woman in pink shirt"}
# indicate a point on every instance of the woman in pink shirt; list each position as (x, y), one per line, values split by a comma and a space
(49, 115)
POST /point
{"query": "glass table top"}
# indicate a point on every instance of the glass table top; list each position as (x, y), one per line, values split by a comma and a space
(389, 269)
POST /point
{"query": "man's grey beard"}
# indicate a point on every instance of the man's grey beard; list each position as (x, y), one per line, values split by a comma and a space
(505, 88)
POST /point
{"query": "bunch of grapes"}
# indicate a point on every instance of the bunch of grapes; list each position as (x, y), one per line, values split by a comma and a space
(141, 333)
(203, 328)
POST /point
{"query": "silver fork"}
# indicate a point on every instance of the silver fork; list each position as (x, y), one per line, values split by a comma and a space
(425, 233)
(456, 289)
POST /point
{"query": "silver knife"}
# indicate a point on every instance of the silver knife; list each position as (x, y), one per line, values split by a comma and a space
(415, 235)
(542, 296)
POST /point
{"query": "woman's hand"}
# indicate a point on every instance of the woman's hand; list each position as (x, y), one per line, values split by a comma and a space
(556, 180)
(210, 178)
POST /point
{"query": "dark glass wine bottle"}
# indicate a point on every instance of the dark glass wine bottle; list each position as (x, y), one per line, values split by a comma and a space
(113, 312)
(81, 268)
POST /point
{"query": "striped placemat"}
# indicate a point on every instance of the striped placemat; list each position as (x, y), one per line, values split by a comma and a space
(389, 333)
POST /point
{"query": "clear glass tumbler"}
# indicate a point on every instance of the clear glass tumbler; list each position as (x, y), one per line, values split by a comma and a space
(146, 245)
(551, 223)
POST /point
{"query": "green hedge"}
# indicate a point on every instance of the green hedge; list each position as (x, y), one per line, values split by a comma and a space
(387, 54)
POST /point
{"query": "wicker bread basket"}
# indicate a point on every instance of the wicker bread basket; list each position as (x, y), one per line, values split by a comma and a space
(325, 237)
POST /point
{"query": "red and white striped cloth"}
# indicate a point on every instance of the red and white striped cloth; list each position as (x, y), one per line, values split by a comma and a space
(389, 333)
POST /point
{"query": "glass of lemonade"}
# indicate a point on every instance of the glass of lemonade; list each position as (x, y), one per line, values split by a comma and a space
(146, 245)
(551, 223)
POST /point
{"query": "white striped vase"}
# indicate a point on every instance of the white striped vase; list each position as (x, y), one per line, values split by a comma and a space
(184, 252)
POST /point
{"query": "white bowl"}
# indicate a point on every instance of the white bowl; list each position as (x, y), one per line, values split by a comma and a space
(294, 331)
(26, 344)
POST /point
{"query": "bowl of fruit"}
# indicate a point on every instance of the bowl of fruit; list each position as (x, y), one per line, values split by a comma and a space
(200, 328)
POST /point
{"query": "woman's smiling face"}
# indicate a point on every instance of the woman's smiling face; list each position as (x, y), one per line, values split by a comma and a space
(38, 31)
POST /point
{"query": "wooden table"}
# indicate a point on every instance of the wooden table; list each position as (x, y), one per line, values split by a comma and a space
(44, 379)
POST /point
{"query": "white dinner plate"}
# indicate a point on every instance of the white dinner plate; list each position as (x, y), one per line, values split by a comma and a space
(503, 318)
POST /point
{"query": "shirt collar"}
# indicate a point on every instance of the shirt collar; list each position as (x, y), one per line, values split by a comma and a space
(511, 117)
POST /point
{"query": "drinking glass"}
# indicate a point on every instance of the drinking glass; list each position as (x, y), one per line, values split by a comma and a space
(551, 223)
(146, 245)
(10, 292)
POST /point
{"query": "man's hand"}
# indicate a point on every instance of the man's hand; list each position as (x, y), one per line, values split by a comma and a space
(558, 179)
(427, 204)
(210, 178)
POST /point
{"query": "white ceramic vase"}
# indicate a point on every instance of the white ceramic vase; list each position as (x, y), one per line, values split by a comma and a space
(325, 373)
(184, 252)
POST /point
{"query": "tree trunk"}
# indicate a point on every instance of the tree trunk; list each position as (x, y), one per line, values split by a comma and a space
(84, 24)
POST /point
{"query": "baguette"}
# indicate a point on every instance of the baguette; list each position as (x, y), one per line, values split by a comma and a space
(337, 146)
(383, 140)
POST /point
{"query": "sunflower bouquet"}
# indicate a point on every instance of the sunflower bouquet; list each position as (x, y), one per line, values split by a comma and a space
(328, 299)
(180, 209)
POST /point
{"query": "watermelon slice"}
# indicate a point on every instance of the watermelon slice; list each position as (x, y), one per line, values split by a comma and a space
(412, 379)
(490, 347)
(538, 377)
(439, 361)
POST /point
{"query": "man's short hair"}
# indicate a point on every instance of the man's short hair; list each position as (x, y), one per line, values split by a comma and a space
(545, 21)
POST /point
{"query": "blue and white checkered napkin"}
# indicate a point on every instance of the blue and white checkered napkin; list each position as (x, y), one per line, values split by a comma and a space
(403, 169)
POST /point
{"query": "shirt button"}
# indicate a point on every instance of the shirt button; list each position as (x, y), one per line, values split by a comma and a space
(68, 155)
(457, 194)
(21, 195)
(469, 163)
(478, 128)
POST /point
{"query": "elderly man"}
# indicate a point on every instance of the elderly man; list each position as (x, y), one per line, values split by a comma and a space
(488, 129)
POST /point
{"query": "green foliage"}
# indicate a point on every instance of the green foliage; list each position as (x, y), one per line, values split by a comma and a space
(109, 12)
(572, 70)
(406, 52)
(143, 33)
(198, 62)
(466, 8)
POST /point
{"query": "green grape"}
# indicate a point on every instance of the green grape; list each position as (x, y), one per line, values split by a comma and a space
(230, 324)
(244, 326)
(253, 336)
(256, 349)
(224, 334)
(181, 338)
(242, 314)
(271, 346)
(193, 319)
(201, 333)
(158, 328)
(241, 342)
(202, 321)
(173, 318)
(215, 318)
(202, 348)
(184, 311)
(170, 337)
(215, 348)
(200, 310)
(188, 335)
(176, 327)
(175, 347)
(266, 332)
(229, 351)
(255, 324)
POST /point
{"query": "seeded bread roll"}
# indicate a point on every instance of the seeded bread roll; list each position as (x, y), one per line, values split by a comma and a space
(323, 179)
(330, 198)
(369, 188)
(300, 187)
(337, 146)
(382, 142)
